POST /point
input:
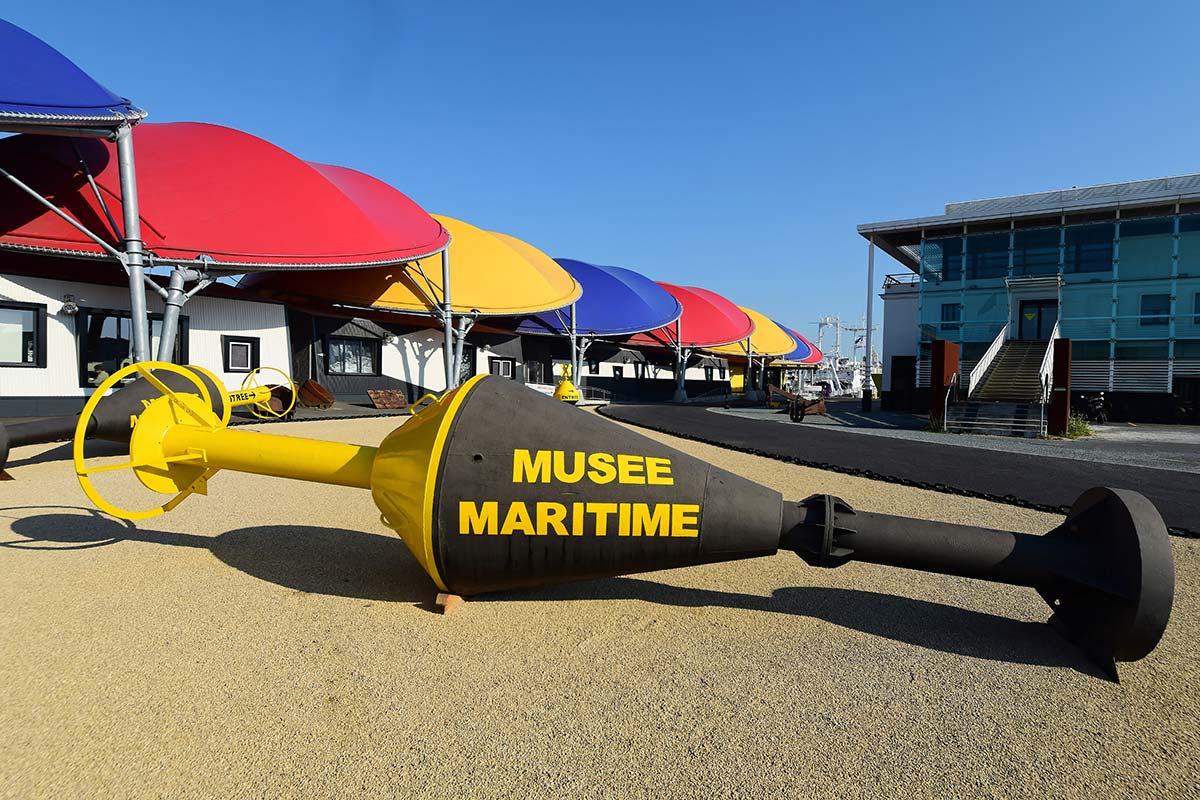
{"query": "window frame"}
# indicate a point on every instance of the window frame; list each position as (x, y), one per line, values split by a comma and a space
(373, 342)
(1153, 320)
(511, 363)
(39, 334)
(82, 318)
(255, 343)
(618, 372)
(951, 324)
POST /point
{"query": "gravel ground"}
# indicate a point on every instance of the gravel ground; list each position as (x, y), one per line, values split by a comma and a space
(1170, 447)
(271, 640)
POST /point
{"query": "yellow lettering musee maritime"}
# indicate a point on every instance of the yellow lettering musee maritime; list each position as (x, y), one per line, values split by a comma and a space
(493, 518)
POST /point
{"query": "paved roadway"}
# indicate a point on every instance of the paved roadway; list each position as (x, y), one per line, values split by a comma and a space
(1033, 472)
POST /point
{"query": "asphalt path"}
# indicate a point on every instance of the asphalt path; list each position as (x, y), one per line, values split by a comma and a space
(1043, 482)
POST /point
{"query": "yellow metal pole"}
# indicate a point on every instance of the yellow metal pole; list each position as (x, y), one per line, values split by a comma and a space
(269, 454)
(245, 397)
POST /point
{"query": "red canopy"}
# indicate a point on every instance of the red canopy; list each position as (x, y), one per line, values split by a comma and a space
(708, 320)
(209, 190)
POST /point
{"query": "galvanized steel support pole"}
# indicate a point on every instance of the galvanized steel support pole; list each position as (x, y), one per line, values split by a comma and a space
(134, 258)
(574, 349)
(680, 368)
(868, 383)
(172, 304)
(448, 324)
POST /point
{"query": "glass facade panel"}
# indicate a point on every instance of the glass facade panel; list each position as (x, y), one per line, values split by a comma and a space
(1143, 310)
(1189, 245)
(942, 260)
(1086, 311)
(987, 256)
(1035, 252)
(1089, 248)
(1146, 248)
(1142, 351)
(1089, 351)
(1187, 309)
(1187, 349)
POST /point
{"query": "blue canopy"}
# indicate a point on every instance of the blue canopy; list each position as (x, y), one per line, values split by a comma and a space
(802, 350)
(41, 86)
(615, 302)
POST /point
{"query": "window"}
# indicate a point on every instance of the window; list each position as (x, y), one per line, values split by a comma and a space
(593, 367)
(640, 369)
(535, 372)
(22, 335)
(987, 256)
(1035, 252)
(1156, 309)
(103, 336)
(708, 373)
(721, 373)
(348, 355)
(504, 367)
(1089, 248)
(1196, 308)
(951, 316)
(240, 353)
(618, 372)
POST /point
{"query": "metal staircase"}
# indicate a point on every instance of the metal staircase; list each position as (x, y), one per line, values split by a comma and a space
(1014, 376)
(1007, 400)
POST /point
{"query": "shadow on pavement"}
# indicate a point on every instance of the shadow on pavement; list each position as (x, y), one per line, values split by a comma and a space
(934, 626)
(329, 561)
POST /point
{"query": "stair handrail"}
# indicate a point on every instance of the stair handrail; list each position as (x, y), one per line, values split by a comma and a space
(981, 367)
(950, 387)
(1046, 373)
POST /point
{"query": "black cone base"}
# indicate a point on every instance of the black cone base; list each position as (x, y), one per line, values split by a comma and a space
(1114, 597)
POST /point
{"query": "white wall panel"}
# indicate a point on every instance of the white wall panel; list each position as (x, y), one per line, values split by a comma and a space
(208, 318)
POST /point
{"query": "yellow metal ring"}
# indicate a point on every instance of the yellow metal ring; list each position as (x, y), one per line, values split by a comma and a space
(254, 407)
(145, 369)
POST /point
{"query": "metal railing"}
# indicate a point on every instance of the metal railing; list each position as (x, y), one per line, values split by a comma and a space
(952, 388)
(981, 366)
(1046, 374)
(901, 279)
(595, 393)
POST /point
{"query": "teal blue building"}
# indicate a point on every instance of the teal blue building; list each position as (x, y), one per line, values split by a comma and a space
(1113, 268)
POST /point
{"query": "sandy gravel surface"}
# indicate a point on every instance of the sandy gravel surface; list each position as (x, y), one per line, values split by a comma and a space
(273, 640)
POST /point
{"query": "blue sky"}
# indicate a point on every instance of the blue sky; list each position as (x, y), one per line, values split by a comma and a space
(732, 146)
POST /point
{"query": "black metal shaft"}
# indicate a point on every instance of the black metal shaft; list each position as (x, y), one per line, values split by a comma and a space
(964, 550)
(49, 429)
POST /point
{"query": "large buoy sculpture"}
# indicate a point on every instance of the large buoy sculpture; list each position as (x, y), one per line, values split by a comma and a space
(496, 487)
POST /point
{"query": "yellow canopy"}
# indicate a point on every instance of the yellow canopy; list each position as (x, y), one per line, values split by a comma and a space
(491, 273)
(768, 339)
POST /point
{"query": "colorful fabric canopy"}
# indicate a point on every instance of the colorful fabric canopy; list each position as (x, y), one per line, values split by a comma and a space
(708, 320)
(490, 273)
(768, 339)
(212, 191)
(805, 353)
(615, 302)
(41, 86)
